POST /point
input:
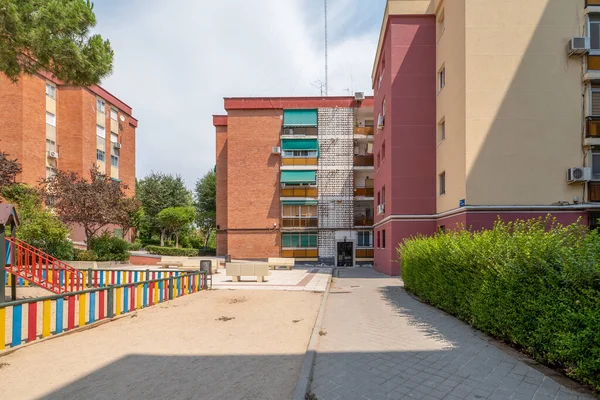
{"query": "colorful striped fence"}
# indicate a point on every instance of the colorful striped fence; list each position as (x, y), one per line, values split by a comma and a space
(25, 321)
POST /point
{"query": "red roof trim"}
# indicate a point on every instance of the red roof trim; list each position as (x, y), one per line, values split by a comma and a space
(277, 103)
(220, 120)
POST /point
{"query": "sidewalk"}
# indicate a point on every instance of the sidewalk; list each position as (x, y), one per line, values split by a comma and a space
(380, 343)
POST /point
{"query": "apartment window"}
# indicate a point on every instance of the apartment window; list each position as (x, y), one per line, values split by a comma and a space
(379, 239)
(50, 91)
(378, 160)
(50, 172)
(596, 166)
(304, 211)
(50, 119)
(364, 239)
(441, 22)
(114, 161)
(50, 145)
(383, 151)
(369, 123)
(594, 31)
(299, 240)
(100, 143)
(595, 102)
(381, 73)
(100, 106)
(442, 78)
(442, 131)
(383, 195)
(442, 228)
(113, 114)
(100, 131)
(114, 138)
(442, 183)
(383, 239)
(300, 153)
(594, 192)
(383, 107)
(100, 155)
(378, 198)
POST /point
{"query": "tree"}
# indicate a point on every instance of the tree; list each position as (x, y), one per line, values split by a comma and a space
(53, 36)
(159, 191)
(206, 204)
(173, 219)
(8, 169)
(128, 214)
(93, 204)
(39, 227)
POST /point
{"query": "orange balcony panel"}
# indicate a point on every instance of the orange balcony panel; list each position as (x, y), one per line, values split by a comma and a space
(364, 161)
(592, 3)
(365, 253)
(594, 61)
(364, 130)
(299, 223)
(363, 222)
(299, 253)
(366, 192)
(299, 161)
(593, 128)
(299, 191)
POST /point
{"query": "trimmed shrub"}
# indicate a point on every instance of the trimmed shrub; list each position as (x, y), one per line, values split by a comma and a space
(135, 246)
(534, 284)
(85, 255)
(172, 251)
(110, 248)
(207, 252)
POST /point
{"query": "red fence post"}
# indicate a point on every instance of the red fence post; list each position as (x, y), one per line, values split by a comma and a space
(32, 322)
(70, 312)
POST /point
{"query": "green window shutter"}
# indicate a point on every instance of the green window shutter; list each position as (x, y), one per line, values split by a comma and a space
(313, 240)
(300, 118)
(285, 240)
(294, 240)
(299, 144)
(299, 202)
(304, 240)
(296, 177)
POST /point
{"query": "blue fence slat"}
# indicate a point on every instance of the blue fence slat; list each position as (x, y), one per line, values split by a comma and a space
(145, 295)
(135, 277)
(92, 312)
(17, 324)
(126, 299)
(59, 315)
(160, 290)
(118, 277)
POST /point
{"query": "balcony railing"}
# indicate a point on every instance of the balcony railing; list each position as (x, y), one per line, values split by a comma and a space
(363, 221)
(364, 192)
(299, 161)
(299, 191)
(364, 130)
(300, 131)
(593, 127)
(364, 161)
(302, 222)
(365, 253)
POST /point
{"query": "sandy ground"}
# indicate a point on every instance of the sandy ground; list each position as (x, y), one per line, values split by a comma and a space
(184, 349)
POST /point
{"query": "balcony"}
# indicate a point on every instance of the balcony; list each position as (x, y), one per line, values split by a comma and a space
(365, 253)
(300, 222)
(364, 130)
(592, 131)
(299, 191)
(363, 221)
(364, 192)
(299, 161)
(299, 131)
(364, 160)
(299, 253)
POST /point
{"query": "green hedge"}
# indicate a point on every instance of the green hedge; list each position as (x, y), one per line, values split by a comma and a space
(172, 251)
(534, 284)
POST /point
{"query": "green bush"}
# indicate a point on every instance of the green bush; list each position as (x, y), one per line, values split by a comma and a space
(172, 251)
(110, 248)
(207, 252)
(135, 246)
(534, 284)
(85, 255)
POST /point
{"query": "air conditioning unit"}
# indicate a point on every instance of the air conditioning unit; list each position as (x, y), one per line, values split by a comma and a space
(380, 121)
(579, 174)
(276, 150)
(52, 154)
(117, 145)
(578, 46)
(381, 209)
(288, 131)
(359, 96)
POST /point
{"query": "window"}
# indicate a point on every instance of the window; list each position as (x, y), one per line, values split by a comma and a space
(50, 172)
(442, 131)
(304, 211)
(114, 161)
(50, 91)
(100, 143)
(595, 102)
(100, 106)
(383, 239)
(113, 114)
(594, 31)
(100, 155)
(383, 195)
(299, 240)
(50, 119)
(383, 107)
(441, 23)
(594, 192)
(114, 138)
(369, 123)
(50, 145)
(596, 166)
(378, 160)
(378, 198)
(383, 151)
(442, 78)
(382, 73)
(364, 239)
(442, 228)
(379, 239)
(300, 154)
(100, 131)
(442, 184)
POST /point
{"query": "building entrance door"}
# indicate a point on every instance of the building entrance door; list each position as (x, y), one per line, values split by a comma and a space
(345, 254)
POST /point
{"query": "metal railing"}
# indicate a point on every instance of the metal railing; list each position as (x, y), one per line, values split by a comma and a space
(362, 221)
(364, 161)
(299, 191)
(366, 192)
(85, 307)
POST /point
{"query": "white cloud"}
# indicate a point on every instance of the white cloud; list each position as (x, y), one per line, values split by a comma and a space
(175, 63)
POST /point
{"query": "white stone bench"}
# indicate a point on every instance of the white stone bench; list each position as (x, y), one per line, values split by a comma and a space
(281, 262)
(237, 270)
(170, 261)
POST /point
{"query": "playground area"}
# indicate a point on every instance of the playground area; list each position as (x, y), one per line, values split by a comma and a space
(211, 345)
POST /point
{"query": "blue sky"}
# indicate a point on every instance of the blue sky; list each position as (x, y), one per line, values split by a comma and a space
(174, 64)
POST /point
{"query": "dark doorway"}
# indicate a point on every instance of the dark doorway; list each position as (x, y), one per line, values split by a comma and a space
(345, 254)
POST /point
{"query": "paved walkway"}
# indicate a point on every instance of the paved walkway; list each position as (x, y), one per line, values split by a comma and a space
(380, 343)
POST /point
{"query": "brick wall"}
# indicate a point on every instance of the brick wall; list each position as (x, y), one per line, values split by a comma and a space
(253, 205)
(221, 157)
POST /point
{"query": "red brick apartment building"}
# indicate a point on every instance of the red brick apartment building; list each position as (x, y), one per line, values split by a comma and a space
(48, 125)
(295, 179)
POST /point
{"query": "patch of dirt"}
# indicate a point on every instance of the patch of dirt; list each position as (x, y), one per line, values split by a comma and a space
(224, 318)
(4, 365)
(322, 333)
(297, 320)
(236, 300)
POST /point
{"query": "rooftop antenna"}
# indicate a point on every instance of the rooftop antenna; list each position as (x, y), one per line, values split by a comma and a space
(319, 85)
(326, 55)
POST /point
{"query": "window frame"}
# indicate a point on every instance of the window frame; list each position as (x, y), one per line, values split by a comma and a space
(52, 119)
(442, 130)
(309, 154)
(100, 128)
(50, 145)
(589, 23)
(101, 106)
(595, 154)
(442, 183)
(100, 155)
(114, 161)
(364, 235)
(383, 238)
(442, 77)
(591, 102)
(52, 92)
(310, 238)
(112, 109)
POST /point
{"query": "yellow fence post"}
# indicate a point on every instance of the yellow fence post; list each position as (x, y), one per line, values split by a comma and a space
(46, 312)
(2, 324)
(82, 301)
(138, 297)
(119, 301)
